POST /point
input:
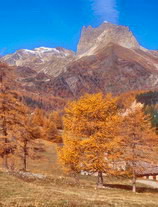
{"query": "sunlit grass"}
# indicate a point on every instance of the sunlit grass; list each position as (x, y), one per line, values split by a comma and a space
(58, 190)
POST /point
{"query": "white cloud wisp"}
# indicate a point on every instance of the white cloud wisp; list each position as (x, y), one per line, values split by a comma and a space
(106, 10)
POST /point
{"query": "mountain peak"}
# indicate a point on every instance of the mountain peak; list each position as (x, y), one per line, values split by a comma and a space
(92, 38)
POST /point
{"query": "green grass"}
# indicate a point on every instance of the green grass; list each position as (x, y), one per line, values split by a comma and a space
(61, 191)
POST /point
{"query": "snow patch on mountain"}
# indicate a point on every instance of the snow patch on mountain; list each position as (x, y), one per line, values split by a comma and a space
(44, 51)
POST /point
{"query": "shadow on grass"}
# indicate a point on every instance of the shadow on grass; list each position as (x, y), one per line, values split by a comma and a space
(129, 188)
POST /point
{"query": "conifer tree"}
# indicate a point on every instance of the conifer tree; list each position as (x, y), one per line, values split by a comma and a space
(93, 123)
(39, 117)
(139, 141)
(57, 119)
(50, 131)
(28, 133)
(11, 114)
(17, 128)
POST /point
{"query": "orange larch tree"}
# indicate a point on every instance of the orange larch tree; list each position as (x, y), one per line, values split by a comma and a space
(92, 123)
(56, 118)
(139, 141)
(11, 114)
(51, 132)
(28, 132)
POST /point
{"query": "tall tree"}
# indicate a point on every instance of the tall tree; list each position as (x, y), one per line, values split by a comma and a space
(56, 117)
(39, 117)
(28, 132)
(93, 123)
(139, 141)
(11, 112)
(51, 132)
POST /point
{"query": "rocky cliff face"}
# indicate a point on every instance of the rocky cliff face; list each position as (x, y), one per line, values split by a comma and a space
(92, 38)
(109, 59)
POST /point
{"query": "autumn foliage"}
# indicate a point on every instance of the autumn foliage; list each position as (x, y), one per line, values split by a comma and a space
(100, 135)
(139, 141)
(91, 129)
(97, 134)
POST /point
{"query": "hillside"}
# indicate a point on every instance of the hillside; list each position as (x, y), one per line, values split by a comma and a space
(31, 86)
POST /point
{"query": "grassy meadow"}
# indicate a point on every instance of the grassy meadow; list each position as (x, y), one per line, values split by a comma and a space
(59, 190)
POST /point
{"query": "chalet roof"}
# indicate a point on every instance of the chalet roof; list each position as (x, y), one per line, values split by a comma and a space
(145, 168)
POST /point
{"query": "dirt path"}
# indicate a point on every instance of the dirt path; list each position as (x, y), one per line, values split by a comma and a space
(151, 183)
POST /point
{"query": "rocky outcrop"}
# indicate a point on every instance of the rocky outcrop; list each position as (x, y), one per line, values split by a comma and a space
(92, 38)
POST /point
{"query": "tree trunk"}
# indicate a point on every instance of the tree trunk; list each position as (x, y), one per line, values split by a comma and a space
(134, 165)
(12, 164)
(100, 179)
(5, 161)
(5, 157)
(25, 156)
(134, 182)
(76, 178)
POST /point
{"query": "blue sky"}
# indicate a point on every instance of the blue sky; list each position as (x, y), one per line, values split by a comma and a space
(51, 23)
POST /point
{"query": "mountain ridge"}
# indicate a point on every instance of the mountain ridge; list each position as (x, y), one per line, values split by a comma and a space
(108, 59)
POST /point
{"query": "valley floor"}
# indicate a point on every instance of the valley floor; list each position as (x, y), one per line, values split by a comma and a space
(56, 190)
(63, 192)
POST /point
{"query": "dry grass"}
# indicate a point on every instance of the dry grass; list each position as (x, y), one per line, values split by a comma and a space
(63, 192)
(60, 191)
